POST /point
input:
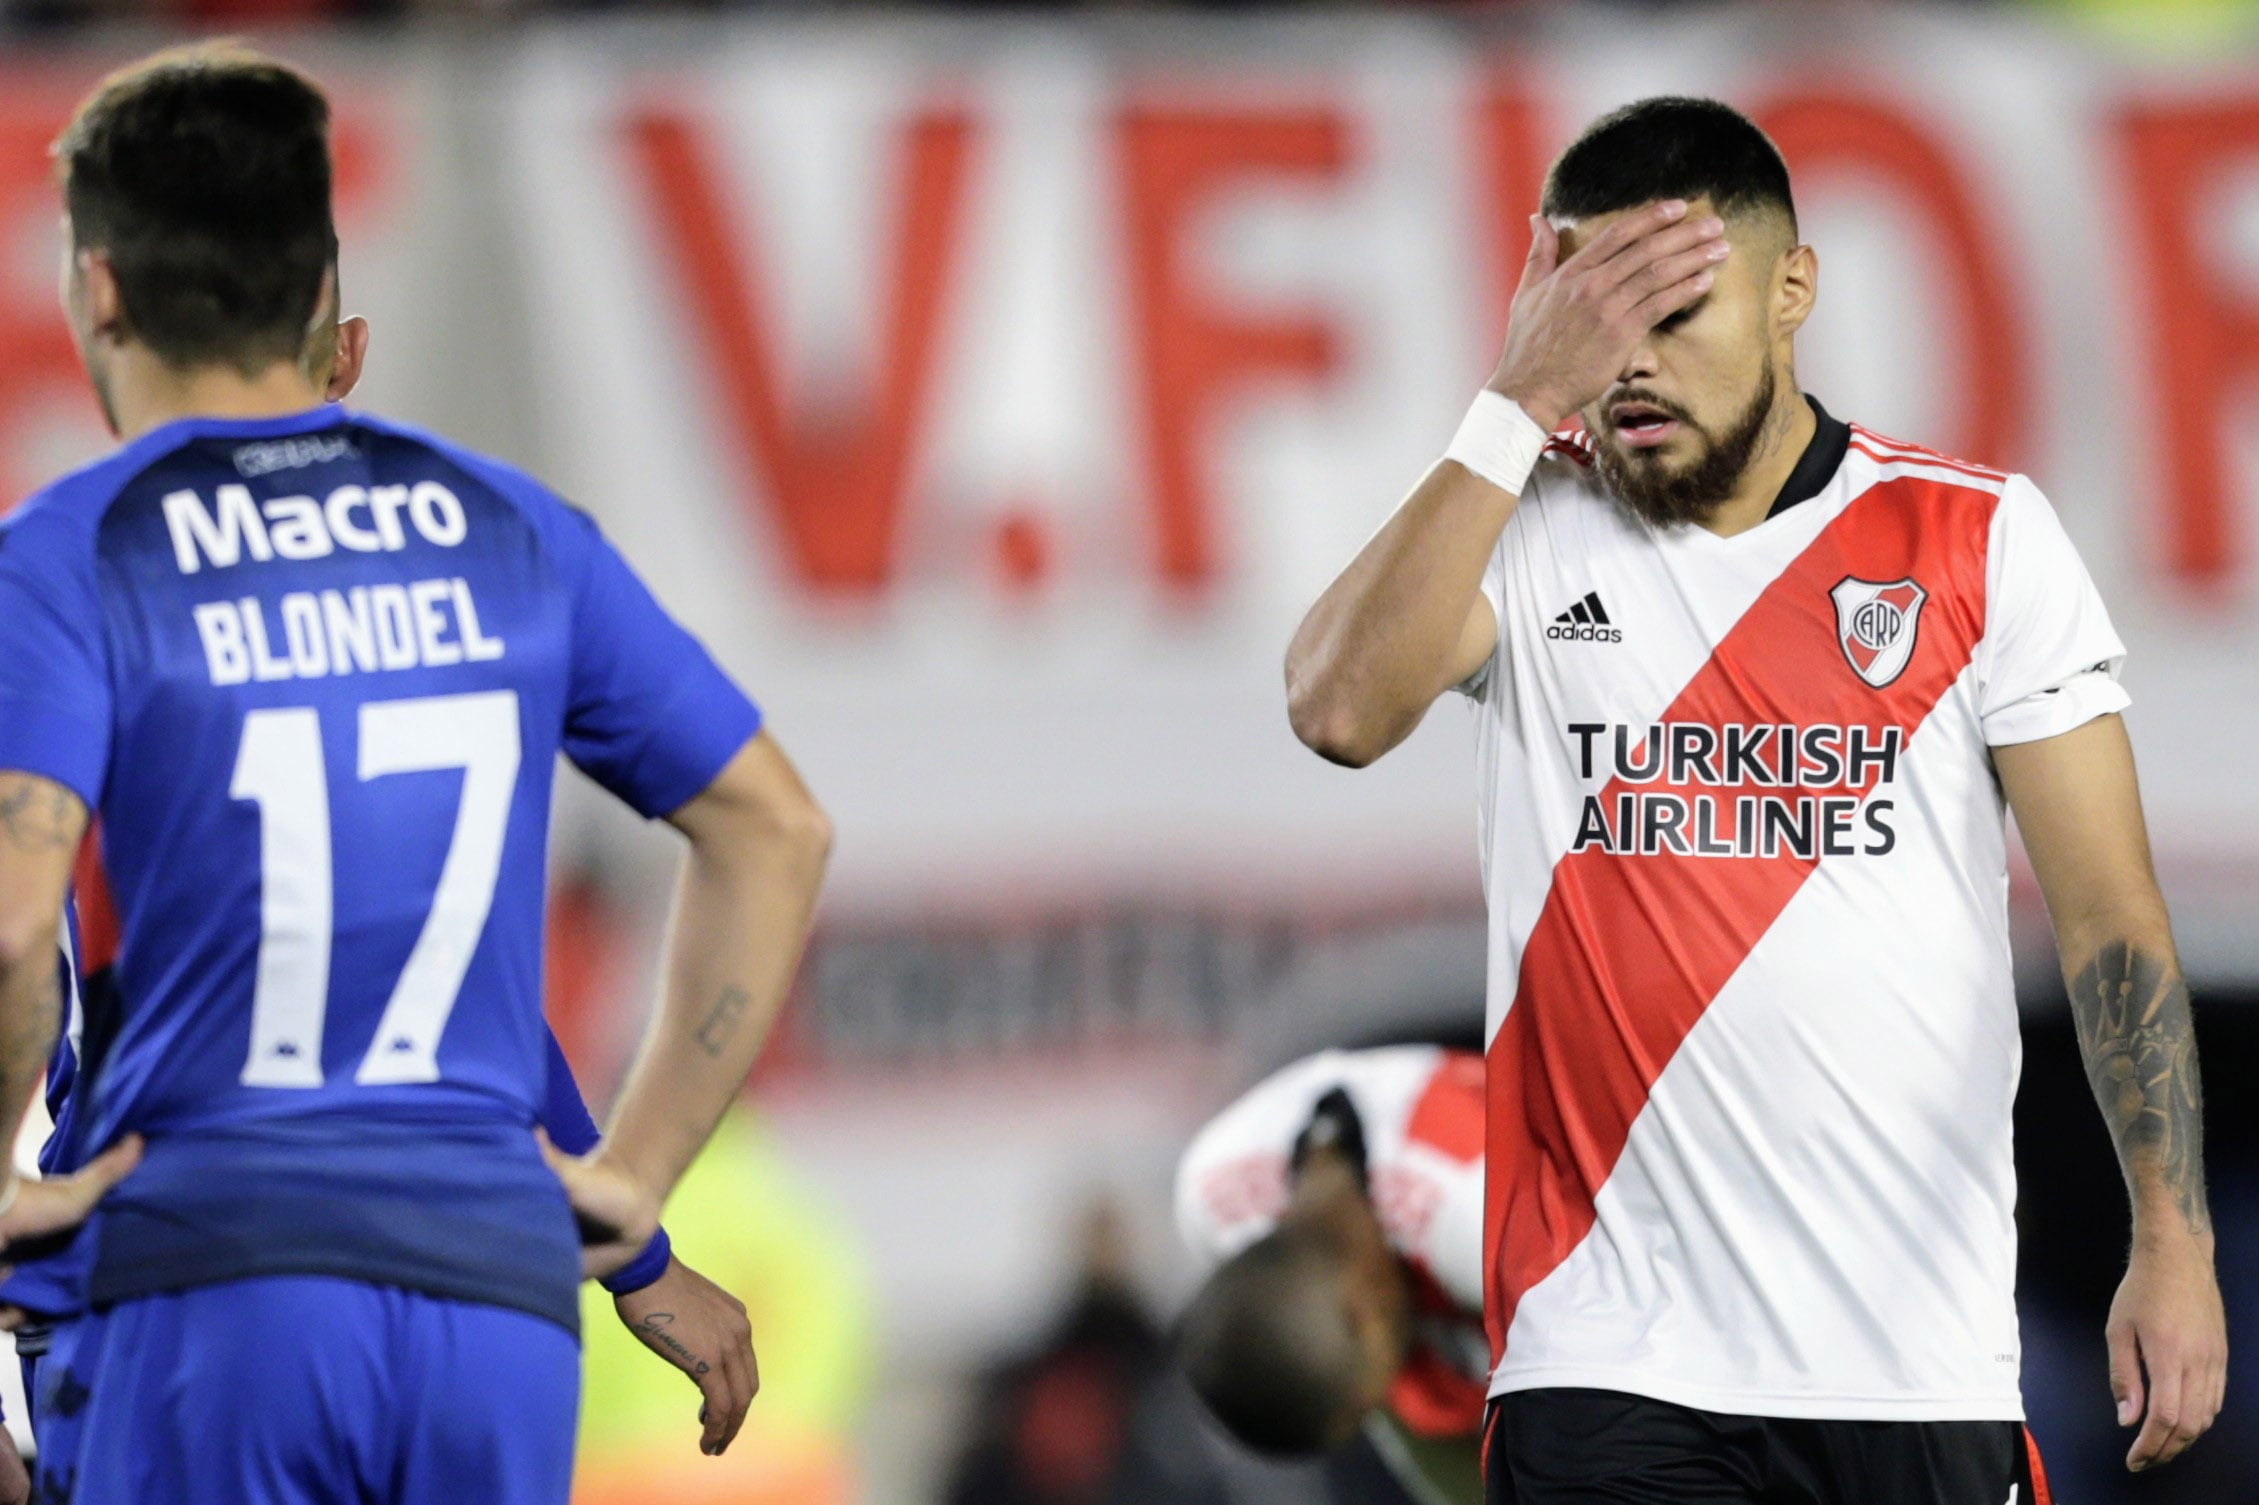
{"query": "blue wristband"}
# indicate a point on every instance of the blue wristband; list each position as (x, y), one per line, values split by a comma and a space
(643, 1269)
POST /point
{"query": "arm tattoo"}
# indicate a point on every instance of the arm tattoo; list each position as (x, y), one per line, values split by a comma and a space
(722, 1020)
(37, 814)
(2139, 1040)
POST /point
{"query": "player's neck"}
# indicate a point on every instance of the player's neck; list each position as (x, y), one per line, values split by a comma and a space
(1788, 432)
(145, 393)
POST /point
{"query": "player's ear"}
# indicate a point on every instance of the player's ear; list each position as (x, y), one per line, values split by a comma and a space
(352, 352)
(1796, 286)
(98, 286)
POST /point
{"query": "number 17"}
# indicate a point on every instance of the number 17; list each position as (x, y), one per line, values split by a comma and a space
(279, 766)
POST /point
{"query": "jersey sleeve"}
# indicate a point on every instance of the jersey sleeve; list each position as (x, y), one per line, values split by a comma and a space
(572, 1128)
(55, 700)
(1443, 1158)
(1477, 686)
(652, 717)
(1232, 1183)
(1451, 1248)
(2050, 658)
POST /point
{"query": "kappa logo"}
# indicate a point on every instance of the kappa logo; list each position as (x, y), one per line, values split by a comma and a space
(1585, 622)
(1876, 624)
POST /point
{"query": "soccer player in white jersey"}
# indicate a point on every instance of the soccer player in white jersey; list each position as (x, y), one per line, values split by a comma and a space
(1339, 1205)
(1752, 688)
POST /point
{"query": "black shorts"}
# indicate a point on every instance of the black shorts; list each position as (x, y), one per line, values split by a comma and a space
(1600, 1447)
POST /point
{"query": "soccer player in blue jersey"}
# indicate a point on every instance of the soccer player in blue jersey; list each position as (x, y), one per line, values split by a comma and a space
(313, 671)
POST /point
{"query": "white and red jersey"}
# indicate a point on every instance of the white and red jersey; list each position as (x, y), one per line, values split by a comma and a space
(1422, 1111)
(1753, 1034)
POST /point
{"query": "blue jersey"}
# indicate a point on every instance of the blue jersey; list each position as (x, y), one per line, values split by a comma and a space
(43, 1285)
(314, 672)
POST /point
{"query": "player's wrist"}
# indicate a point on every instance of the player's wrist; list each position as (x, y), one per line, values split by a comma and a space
(2167, 1232)
(1499, 440)
(1547, 411)
(644, 1270)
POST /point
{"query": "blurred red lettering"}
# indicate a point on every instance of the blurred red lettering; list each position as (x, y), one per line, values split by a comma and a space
(1190, 351)
(1831, 133)
(2202, 326)
(1511, 164)
(38, 364)
(832, 479)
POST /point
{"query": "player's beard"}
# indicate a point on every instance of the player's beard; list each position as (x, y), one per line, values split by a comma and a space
(1692, 492)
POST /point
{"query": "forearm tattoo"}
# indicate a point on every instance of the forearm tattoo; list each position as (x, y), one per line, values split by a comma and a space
(2139, 1039)
(722, 1020)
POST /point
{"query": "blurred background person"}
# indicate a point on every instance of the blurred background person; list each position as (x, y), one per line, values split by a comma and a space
(1051, 1425)
(1341, 1201)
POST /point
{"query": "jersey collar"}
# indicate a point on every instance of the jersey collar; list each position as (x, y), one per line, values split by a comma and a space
(282, 425)
(1821, 459)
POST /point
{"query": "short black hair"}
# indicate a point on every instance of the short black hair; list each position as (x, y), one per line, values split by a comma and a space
(1268, 1347)
(1670, 147)
(203, 173)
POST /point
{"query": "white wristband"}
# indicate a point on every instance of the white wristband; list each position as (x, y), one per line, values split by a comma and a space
(1498, 441)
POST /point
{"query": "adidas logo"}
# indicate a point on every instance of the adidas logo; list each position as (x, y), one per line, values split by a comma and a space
(1585, 622)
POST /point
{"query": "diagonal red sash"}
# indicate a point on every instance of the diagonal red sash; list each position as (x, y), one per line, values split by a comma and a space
(1629, 950)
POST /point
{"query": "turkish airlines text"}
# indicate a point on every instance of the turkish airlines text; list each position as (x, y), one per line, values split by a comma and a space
(1749, 791)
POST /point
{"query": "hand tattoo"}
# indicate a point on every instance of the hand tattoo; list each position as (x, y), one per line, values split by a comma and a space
(722, 1020)
(38, 814)
(653, 1330)
(2139, 1040)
